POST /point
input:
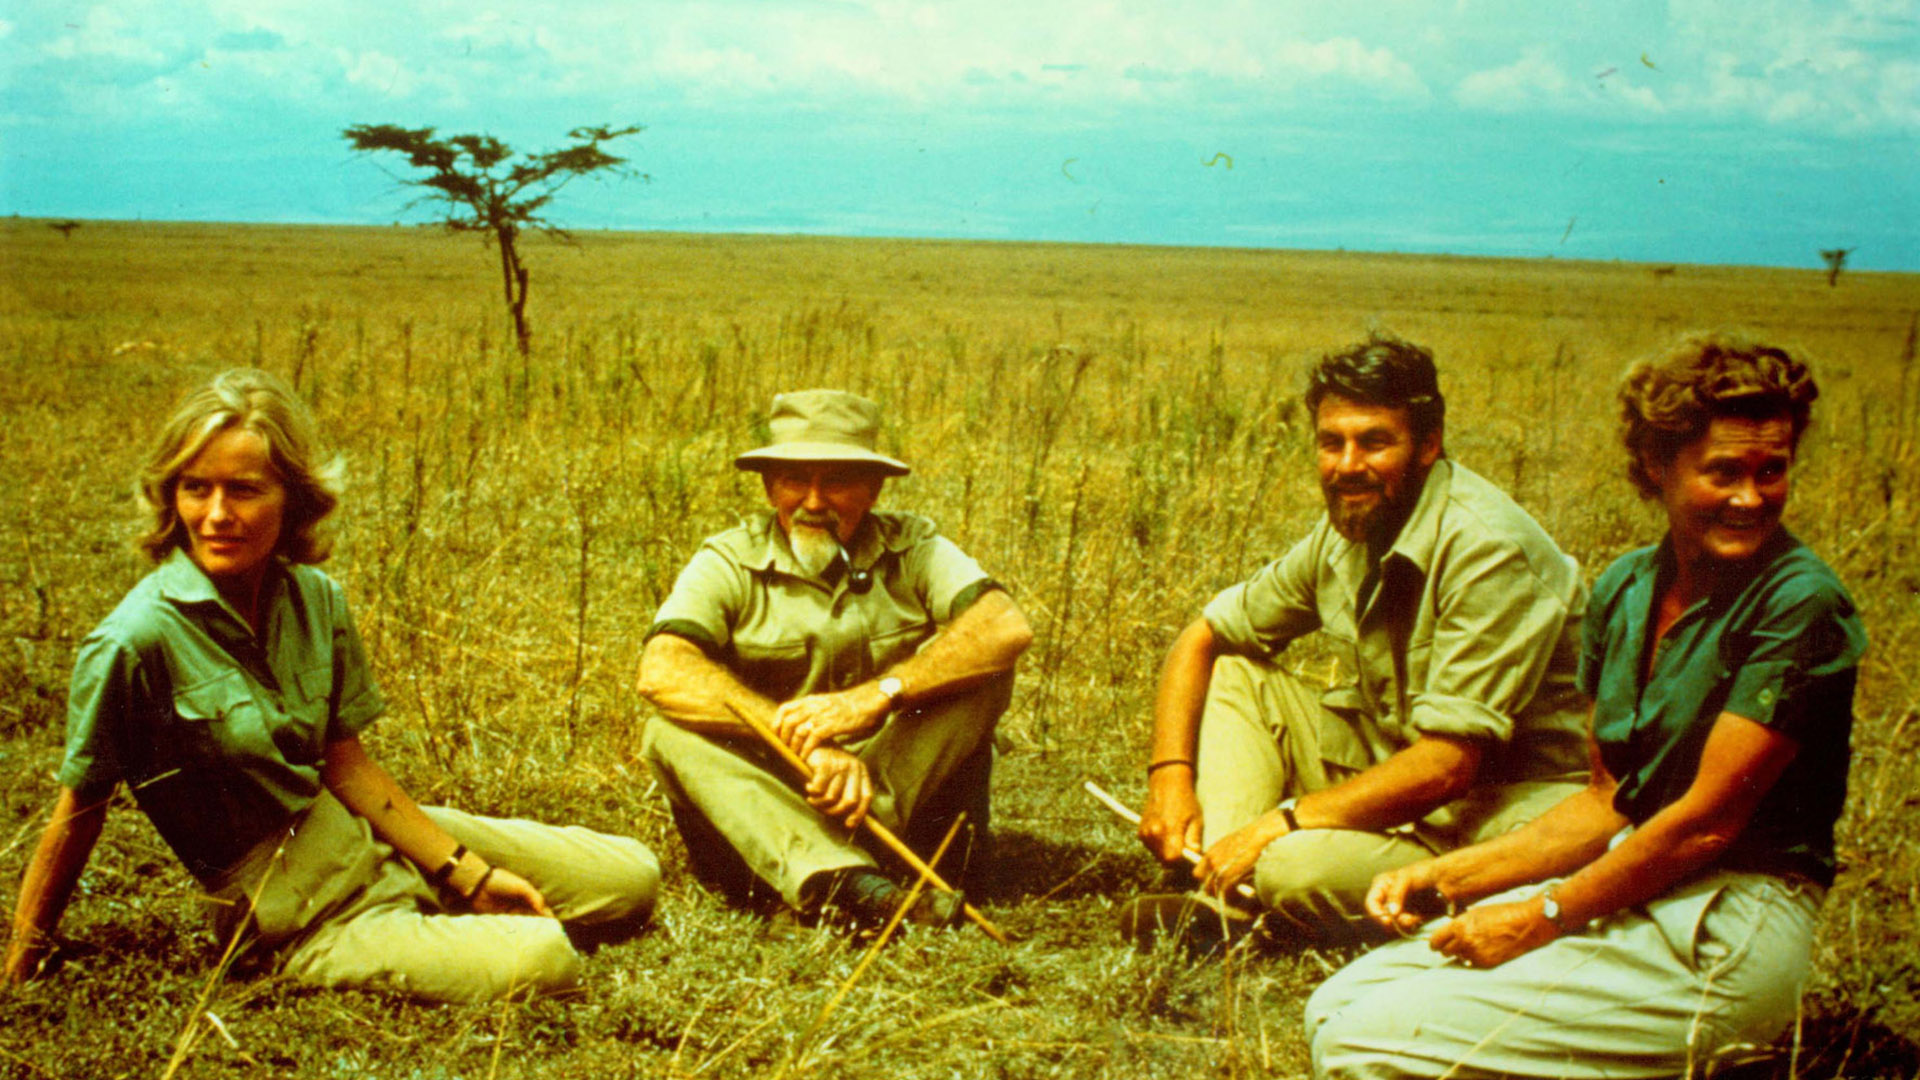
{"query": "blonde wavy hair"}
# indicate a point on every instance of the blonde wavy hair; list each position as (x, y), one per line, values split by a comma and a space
(258, 402)
(1670, 400)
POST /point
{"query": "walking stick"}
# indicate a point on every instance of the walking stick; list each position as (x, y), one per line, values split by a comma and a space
(1187, 853)
(880, 832)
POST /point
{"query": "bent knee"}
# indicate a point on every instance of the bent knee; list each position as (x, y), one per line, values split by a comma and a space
(544, 961)
(633, 883)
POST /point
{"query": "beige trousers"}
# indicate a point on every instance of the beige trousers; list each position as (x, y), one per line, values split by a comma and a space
(1264, 737)
(1695, 980)
(340, 908)
(737, 793)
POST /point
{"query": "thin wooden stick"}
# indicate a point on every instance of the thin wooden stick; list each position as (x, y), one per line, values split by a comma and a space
(893, 923)
(1187, 853)
(881, 832)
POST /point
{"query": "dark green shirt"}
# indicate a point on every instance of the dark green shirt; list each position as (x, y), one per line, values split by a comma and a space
(218, 733)
(1779, 646)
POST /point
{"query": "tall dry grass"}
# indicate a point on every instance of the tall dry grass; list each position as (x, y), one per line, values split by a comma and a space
(1114, 432)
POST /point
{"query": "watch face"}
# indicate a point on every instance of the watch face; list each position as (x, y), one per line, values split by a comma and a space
(890, 686)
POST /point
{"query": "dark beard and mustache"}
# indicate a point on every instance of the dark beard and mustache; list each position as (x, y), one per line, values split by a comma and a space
(1375, 523)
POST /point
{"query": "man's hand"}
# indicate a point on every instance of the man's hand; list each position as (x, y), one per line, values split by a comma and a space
(1231, 859)
(1489, 936)
(807, 723)
(507, 893)
(841, 787)
(1170, 822)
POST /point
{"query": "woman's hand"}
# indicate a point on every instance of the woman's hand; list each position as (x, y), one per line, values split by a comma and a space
(1491, 935)
(807, 723)
(507, 893)
(841, 787)
(1403, 898)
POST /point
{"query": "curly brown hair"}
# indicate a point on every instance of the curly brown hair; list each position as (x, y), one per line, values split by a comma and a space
(1670, 400)
(258, 402)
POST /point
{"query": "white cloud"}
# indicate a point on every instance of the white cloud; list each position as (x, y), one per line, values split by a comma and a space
(108, 34)
(1531, 80)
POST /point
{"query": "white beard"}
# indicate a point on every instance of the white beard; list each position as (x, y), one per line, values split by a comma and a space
(814, 548)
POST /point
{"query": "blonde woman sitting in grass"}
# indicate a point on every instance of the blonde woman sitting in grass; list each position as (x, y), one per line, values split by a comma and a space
(228, 692)
(1659, 922)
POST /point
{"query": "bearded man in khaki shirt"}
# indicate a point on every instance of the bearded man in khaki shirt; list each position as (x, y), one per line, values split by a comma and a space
(879, 651)
(1452, 715)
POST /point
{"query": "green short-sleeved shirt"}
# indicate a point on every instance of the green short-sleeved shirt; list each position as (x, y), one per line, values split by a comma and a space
(1780, 647)
(219, 734)
(744, 599)
(1472, 631)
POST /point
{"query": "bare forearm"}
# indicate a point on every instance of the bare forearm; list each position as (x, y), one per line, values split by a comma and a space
(62, 854)
(365, 788)
(1177, 705)
(1741, 761)
(983, 641)
(1565, 838)
(693, 691)
(1405, 787)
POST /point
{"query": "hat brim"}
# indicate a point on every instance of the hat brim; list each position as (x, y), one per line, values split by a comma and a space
(816, 453)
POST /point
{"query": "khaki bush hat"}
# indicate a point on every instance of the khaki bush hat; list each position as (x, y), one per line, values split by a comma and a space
(822, 425)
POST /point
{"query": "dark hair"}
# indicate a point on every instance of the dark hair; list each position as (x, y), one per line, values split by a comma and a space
(1383, 370)
(260, 403)
(1669, 401)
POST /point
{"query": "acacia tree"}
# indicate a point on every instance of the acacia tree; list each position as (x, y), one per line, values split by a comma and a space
(486, 186)
(1836, 259)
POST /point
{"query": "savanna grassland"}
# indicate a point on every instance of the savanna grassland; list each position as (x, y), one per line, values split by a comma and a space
(1114, 432)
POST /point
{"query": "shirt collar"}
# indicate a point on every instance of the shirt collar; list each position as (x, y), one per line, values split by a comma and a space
(1418, 536)
(184, 584)
(871, 540)
(1661, 565)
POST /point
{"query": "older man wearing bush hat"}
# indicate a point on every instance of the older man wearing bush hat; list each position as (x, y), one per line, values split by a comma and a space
(879, 653)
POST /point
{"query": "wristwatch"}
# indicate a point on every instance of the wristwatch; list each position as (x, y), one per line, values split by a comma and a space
(1550, 909)
(891, 689)
(1286, 813)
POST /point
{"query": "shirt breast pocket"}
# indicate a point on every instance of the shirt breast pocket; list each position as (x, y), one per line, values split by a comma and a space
(776, 669)
(219, 720)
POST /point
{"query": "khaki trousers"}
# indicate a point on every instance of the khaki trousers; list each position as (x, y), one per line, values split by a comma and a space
(1695, 980)
(340, 908)
(737, 794)
(1264, 737)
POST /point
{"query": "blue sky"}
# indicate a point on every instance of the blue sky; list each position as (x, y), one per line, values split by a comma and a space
(1711, 131)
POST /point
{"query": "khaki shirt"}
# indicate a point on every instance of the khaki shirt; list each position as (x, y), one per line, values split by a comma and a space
(1473, 631)
(218, 733)
(744, 599)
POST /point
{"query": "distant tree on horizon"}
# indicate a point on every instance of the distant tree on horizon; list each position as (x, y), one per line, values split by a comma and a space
(486, 186)
(1836, 258)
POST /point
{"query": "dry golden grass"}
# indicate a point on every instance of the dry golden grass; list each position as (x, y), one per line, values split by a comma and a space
(1114, 432)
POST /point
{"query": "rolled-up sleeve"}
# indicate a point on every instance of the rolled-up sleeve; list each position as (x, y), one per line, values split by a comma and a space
(1806, 638)
(1497, 627)
(1264, 614)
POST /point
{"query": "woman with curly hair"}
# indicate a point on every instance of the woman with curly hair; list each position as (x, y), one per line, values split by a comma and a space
(228, 691)
(1659, 922)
